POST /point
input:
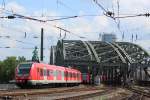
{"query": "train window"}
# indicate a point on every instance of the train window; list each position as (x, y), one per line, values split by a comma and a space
(48, 73)
(26, 65)
(41, 72)
(24, 68)
(51, 72)
(55, 73)
(77, 76)
(38, 70)
(74, 75)
(70, 75)
(59, 73)
(45, 72)
(66, 74)
(23, 71)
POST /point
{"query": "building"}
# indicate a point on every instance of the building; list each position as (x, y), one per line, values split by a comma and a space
(109, 37)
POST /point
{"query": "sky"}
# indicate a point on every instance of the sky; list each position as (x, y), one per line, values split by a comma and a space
(22, 35)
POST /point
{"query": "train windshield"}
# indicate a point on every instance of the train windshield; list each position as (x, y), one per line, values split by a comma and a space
(24, 69)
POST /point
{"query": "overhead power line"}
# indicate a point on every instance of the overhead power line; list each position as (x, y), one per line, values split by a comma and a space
(100, 5)
(106, 12)
(30, 18)
(62, 18)
(128, 16)
(65, 30)
(24, 42)
(3, 4)
(65, 5)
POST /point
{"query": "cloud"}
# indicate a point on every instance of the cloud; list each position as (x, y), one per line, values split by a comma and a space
(88, 27)
(15, 7)
(144, 44)
(133, 6)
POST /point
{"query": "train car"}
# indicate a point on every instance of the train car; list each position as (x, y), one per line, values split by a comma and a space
(37, 74)
(85, 78)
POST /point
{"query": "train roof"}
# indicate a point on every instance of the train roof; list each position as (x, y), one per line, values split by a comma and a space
(52, 66)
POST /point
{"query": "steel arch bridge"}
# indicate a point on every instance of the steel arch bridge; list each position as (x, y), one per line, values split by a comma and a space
(98, 53)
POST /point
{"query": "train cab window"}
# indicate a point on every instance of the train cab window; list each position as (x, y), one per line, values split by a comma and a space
(24, 68)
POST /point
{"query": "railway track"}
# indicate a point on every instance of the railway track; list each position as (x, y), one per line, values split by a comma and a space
(75, 94)
(85, 95)
(30, 92)
(138, 93)
(141, 91)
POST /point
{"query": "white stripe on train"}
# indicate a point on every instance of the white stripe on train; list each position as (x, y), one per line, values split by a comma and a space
(34, 82)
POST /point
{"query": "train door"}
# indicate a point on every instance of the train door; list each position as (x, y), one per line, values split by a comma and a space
(62, 74)
(66, 75)
(38, 73)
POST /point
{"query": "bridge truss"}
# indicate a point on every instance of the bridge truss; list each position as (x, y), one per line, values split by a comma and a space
(115, 60)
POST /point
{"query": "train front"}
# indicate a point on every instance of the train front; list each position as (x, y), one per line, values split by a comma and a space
(23, 74)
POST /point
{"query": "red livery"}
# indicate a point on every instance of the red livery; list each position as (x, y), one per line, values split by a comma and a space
(32, 73)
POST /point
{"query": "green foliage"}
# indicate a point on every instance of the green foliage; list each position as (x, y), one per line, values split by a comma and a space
(35, 54)
(21, 59)
(7, 68)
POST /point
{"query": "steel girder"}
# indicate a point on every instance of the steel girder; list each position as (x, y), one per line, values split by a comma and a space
(77, 51)
(133, 52)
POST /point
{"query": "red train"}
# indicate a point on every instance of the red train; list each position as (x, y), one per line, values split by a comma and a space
(35, 74)
(85, 78)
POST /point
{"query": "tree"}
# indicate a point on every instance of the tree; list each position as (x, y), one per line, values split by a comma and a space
(21, 59)
(35, 55)
(1, 71)
(8, 69)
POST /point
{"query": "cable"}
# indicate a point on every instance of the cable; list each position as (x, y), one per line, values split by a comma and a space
(68, 31)
(118, 6)
(66, 6)
(5, 36)
(130, 16)
(25, 42)
(100, 6)
(62, 18)
(3, 4)
(30, 18)
(87, 15)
